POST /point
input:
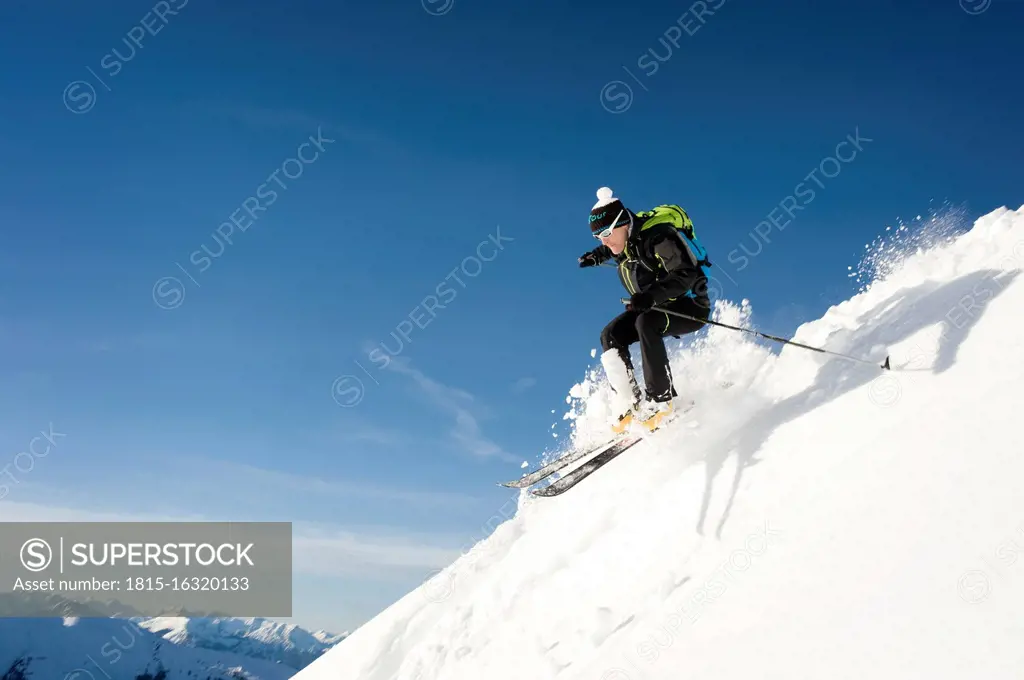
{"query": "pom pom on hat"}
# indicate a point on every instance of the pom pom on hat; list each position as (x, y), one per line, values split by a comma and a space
(604, 197)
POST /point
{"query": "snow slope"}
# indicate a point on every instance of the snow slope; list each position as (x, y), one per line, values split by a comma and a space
(818, 519)
(115, 649)
(256, 638)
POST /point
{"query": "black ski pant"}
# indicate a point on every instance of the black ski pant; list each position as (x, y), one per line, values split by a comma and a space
(649, 329)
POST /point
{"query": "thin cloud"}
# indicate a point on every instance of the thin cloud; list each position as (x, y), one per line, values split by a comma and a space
(342, 551)
(466, 431)
(260, 118)
(371, 434)
(322, 550)
(250, 477)
(523, 384)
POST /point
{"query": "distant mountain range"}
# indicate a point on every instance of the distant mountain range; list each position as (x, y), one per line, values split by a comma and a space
(44, 636)
(115, 649)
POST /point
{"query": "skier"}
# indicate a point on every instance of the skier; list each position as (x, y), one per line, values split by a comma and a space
(661, 264)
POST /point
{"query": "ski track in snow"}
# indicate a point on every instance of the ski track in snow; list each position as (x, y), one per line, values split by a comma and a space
(823, 519)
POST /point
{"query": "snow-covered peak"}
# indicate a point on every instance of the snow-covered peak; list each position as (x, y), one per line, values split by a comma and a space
(329, 639)
(257, 638)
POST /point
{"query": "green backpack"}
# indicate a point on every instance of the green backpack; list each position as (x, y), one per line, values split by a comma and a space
(677, 217)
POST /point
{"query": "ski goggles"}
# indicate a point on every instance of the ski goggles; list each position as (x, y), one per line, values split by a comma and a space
(607, 231)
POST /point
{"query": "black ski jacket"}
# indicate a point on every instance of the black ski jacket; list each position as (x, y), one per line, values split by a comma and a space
(657, 260)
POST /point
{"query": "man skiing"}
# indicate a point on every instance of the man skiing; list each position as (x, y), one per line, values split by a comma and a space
(661, 264)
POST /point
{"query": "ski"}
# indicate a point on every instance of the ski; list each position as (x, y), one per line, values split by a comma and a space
(556, 465)
(621, 445)
(605, 452)
(562, 485)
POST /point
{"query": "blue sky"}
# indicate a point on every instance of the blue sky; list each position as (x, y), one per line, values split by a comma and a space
(433, 133)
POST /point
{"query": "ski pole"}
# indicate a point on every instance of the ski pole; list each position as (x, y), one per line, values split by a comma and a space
(768, 337)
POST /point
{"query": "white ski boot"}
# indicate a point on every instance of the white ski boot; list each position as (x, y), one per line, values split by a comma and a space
(627, 393)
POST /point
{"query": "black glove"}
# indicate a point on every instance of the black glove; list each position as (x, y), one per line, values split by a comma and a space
(641, 302)
(588, 259)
